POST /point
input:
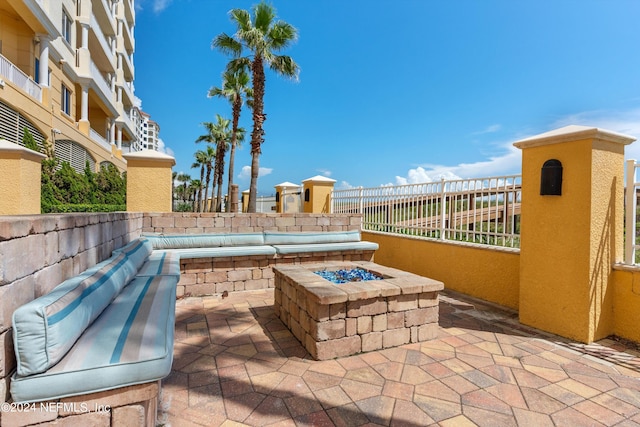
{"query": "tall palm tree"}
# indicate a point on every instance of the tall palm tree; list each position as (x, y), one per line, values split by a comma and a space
(184, 179)
(235, 88)
(210, 155)
(263, 37)
(222, 136)
(209, 138)
(201, 160)
(195, 187)
(174, 175)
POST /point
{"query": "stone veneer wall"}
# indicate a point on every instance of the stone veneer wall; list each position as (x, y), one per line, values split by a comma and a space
(38, 252)
(193, 223)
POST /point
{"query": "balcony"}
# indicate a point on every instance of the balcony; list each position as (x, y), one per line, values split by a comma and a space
(11, 73)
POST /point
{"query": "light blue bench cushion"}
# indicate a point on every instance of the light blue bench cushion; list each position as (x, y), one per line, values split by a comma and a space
(161, 263)
(45, 329)
(326, 247)
(137, 251)
(130, 343)
(230, 251)
(186, 241)
(282, 238)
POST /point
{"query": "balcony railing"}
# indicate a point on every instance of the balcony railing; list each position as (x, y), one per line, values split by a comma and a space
(16, 76)
(482, 210)
(99, 139)
(101, 82)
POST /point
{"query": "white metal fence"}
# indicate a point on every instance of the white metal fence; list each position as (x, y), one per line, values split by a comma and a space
(630, 203)
(481, 210)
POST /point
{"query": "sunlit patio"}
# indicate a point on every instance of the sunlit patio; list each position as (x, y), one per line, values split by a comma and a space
(235, 363)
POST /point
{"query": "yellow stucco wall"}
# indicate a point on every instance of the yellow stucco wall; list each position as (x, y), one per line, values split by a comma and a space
(568, 242)
(149, 182)
(626, 302)
(492, 274)
(19, 181)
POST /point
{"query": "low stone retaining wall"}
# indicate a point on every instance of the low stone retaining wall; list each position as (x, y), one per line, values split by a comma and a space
(341, 320)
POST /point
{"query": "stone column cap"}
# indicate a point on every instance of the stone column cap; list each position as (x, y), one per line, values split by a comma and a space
(151, 155)
(320, 178)
(287, 185)
(24, 152)
(574, 133)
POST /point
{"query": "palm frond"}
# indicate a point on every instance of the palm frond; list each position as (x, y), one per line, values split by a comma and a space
(285, 65)
(282, 35)
(227, 45)
(264, 15)
(241, 18)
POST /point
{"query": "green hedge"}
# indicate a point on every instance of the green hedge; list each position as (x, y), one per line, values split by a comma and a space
(82, 208)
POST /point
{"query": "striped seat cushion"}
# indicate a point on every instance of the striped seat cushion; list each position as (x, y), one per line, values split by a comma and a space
(137, 251)
(212, 240)
(45, 329)
(161, 263)
(305, 238)
(326, 247)
(130, 343)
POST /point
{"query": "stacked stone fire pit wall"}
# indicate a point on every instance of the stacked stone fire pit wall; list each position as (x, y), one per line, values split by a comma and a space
(341, 320)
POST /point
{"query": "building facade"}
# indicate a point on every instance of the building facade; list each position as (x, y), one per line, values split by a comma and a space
(66, 75)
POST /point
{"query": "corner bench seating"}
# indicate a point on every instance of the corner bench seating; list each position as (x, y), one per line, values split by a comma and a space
(217, 262)
(112, 326)
(109, 327)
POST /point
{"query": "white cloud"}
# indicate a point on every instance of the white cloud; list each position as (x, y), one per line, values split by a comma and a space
(245, 173)
(626, 122)
(505, 164)
(160, 5)
(344, 185)
(324, 172)
(162, 148)
(488, 129)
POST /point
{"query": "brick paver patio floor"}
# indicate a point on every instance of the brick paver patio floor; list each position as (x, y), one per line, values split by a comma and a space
(236, 364)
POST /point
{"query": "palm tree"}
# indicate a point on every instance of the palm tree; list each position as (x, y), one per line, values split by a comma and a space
(209, 138)
(263, 37)
(184, 179)
(236, 90)
(222, 135)
(195, 187)
(201, 162)
(174, 175)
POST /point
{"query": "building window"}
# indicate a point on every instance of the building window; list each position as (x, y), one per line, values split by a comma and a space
(66, 26)
(65, 102)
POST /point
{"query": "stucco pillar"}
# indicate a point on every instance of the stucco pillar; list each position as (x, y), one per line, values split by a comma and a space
(287, 198)
(233, 198)
(245, 200)
(570, 241)
(317, 194)
(20, 170)
(149, 181)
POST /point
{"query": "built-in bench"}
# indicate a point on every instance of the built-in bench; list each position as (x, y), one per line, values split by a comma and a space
(98, 343)
(216, 262)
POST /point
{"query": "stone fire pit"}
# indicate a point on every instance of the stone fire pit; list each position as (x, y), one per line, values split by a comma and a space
(336, 320)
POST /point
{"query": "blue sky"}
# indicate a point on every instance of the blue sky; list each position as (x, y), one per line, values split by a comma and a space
(394, 92)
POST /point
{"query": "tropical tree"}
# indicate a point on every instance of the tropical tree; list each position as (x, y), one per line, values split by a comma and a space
(195, 188)
(263, 36)
(222, 135)
(201, 162)
(184, 179)
(235, 88)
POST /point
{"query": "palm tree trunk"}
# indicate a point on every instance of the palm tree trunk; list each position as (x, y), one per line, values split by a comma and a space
(237, 105)
(213, 190)
(200, 189)
(206, 189)
(257, 132)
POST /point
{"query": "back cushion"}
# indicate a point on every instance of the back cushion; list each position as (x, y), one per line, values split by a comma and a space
(190, 241)
(47, 327)
(137, 251)
(281, 238)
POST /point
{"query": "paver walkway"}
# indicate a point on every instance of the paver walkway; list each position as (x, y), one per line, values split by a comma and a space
(236, 364)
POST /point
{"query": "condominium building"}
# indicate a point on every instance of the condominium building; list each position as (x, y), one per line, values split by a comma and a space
(148, 132)
(66, 75)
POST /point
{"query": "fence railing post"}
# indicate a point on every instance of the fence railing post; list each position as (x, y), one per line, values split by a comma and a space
(630, 214)
(443, 209)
